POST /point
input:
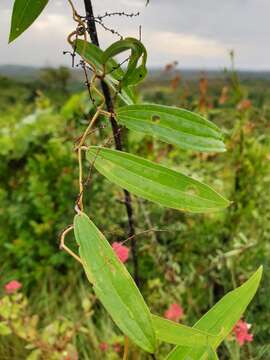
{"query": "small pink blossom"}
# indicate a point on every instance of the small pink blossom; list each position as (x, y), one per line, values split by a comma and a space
(175, 312)
(72, 356)
(117, 347)
(121, 251)
(241, 332)
(12, 286)
(103, 346)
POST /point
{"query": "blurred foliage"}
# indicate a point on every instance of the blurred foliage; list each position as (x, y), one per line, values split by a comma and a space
(56, 340)
(188, 259)
(52, 342)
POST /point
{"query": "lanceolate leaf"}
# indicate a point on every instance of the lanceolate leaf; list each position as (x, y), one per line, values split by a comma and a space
(24, 14)
(113, 284)
(155, 182)
(221, 319)
(93, 55)
(178, 334)
(176, 126)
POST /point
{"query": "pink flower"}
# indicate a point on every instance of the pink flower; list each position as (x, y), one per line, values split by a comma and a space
(12, 286)
(117, 347)
(241, 332)
(121, 251)
(103, 346)
(175, 312)
(72, 356)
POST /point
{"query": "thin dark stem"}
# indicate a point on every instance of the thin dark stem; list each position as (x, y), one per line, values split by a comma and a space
(117, 139)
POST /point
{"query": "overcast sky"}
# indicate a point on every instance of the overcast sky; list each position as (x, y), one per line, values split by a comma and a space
(197, 33)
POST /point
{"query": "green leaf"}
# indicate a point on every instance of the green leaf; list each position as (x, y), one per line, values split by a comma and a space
(34, 355)
(24, 14)
(123, 45)
(221, 318)
(155, 182)
(93, 55)
(211, 354)
(133, 74)
(4, 329)
(178, 334)
(113, 284)
(175, 126)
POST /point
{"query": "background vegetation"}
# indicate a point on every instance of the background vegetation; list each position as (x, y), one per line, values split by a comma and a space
(192, 260)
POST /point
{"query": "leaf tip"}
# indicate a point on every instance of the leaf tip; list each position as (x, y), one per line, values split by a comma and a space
(11, 38)
(260, 271)
(225, 202)
(257, 276)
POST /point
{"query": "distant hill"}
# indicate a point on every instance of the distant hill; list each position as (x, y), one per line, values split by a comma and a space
(31, 73)
(195, 74)
(19, 72)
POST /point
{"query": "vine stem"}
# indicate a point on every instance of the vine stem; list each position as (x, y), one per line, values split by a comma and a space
(117, 140)
(126, 347)
(79, 149)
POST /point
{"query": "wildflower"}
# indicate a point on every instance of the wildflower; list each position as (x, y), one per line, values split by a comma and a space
(244, 105)
(175, 312)
(121, 251)
(241, 332)
(224, 95)
(12, 286)
(117, 347)
(72, 356)
(103, 346)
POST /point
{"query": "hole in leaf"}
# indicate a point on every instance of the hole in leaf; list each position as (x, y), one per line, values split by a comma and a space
(156, 118)
(192, 190)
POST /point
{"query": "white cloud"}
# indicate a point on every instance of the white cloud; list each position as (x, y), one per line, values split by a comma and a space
(134, 3)
(197, 33)
(182, 45)
(53, 23)
(189, 49)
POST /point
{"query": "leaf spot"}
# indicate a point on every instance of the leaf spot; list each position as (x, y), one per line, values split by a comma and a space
(156, 118)
(192, 190)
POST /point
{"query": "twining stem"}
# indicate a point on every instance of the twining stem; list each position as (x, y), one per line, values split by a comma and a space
(80, 179)
(64, 247)
(117, 139)
(126, 347)
(89, 127)
(79, 149)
